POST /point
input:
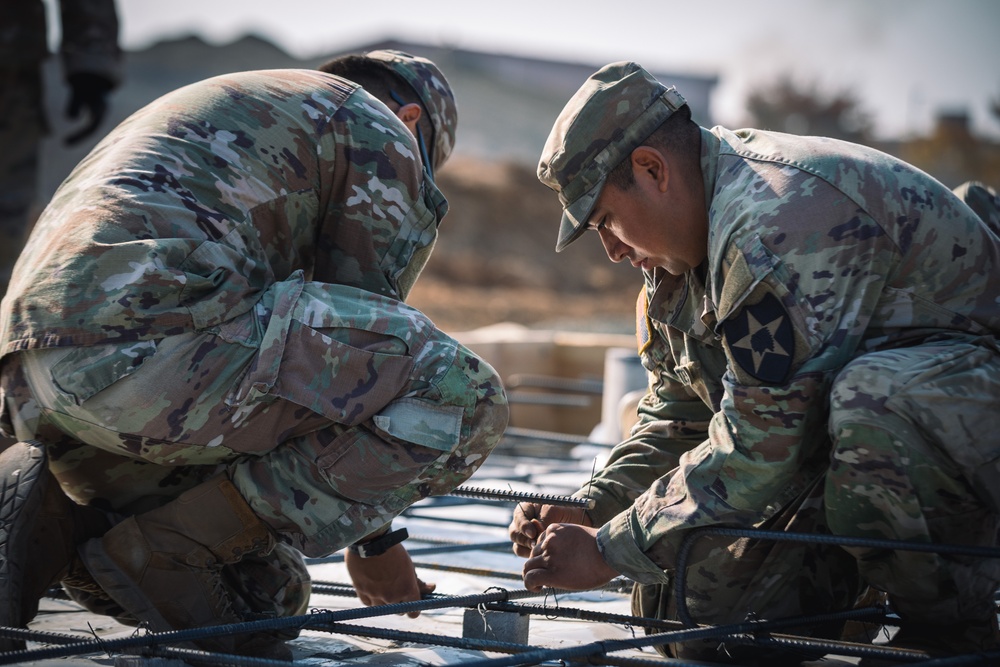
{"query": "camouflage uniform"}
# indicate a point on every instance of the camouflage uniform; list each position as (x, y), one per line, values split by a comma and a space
(89, 44)
(984, 200)
(832, 366)
(219, 284)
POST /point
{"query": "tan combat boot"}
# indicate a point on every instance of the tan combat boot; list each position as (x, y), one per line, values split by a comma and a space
(165, 566)
(40, 529)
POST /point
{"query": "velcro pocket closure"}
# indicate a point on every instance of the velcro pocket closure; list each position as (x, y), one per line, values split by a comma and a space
(422, 422)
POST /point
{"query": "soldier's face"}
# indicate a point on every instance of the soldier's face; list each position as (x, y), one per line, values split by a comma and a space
(652, 223)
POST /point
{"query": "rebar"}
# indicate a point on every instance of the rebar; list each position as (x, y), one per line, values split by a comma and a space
(984, 658)
(486, 645)
(101, 646)
(518, 380)
(584, 615)
(521, 496)
(617, 585)
(408, 512)
(478, 571)
(816, 648)
(425, 638)
(297, 622)
(560, 400)
(427, 551)
(547, 436)
(671, 637)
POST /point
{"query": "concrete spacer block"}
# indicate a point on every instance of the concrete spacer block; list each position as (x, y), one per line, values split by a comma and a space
(501, 626)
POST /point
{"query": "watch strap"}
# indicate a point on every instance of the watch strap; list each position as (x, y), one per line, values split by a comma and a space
(381, 544)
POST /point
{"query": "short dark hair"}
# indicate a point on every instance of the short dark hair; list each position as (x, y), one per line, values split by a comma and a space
(381, 82)
(677, 135)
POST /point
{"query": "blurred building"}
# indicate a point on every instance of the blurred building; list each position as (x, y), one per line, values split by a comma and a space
(507, 103)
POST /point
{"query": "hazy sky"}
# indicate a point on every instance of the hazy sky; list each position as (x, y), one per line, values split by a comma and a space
(907, 59)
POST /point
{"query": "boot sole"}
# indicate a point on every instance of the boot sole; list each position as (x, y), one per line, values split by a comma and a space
(21, 491)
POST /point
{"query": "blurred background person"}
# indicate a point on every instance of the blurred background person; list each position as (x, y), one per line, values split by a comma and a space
(91, 61)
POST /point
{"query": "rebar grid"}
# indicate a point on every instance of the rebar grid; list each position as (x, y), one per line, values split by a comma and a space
(247, 627)
(758, 633)
(721, 632)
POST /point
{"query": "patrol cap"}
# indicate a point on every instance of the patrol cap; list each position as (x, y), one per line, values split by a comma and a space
(434, 92)
(613, 112)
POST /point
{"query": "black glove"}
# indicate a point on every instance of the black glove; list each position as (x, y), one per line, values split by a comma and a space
(89, 92)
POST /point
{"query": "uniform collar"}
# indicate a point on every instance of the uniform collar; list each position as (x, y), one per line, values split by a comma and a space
(710, 146)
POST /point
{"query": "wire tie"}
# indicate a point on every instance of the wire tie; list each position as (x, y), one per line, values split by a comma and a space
(545, 602)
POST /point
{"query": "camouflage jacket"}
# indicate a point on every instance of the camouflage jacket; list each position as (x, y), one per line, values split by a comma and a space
(184, 214)
(819, 251)
(89, 36)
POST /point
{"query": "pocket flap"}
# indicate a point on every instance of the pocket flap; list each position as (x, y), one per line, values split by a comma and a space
(422, 423)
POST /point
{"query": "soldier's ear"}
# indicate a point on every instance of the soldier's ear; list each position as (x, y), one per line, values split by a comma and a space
(649, 163)
(409, 114)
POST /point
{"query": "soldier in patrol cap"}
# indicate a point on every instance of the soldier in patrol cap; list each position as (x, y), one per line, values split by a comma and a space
(209, 362)
(819, 325)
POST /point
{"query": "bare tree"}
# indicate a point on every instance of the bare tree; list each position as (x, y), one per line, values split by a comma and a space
(787, 106)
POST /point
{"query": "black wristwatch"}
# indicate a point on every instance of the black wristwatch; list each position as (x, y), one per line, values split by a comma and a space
(380, 545)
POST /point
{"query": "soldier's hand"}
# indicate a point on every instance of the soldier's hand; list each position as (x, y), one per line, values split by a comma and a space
(531, 519)
(88, 93)
(387, 578)
(566, 556)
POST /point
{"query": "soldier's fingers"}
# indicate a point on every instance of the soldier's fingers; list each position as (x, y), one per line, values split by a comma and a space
(522, 550)
(523, 534)
(536, 575)
(527, 510)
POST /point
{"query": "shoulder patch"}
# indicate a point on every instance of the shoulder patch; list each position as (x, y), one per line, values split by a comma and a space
(643, 338)
(760, 339)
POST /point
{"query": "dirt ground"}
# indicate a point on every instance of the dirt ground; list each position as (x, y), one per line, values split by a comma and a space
(495, 259)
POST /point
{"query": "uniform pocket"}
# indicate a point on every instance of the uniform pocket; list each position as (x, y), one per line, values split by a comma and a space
(366, 468)
(346, 384)
(85, 371)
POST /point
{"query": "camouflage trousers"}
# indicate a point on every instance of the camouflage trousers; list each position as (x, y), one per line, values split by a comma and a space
(330, 408)
(731, 581)
(915, 456)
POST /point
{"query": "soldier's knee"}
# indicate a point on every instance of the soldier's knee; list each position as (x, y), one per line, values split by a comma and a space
(491, 410)
(860, 390)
